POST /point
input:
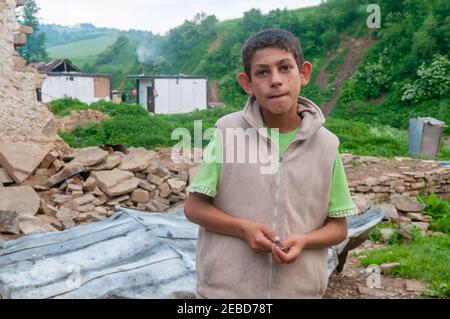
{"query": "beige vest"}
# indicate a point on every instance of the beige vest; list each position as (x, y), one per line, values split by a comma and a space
(293, 200)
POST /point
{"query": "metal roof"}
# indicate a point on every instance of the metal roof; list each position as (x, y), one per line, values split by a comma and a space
(57, 65)
(180, 76)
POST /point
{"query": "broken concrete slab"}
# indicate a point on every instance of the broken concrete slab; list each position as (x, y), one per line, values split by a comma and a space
(419, 217)
(20, 159)
(388, 268)
(64, 213)
(117, 200)
(144, 184)
(155, 179)
(60, 198)
(164, 190)
(155, 206)
(85, 199)
(138, 159)
(56, 166)
(155, 169)
(21, 199)
(413, 285)
(49, 159)
(407, 204)
(4, 177)
(111, 161)
(90, 184)
(115, 182)
(75, 188)
(386, 234)
(100, 200)
(34, 225)
(9, 222)
(90, 156)
(69, 170)
(85, 208)
(51, 221)
(140, 196)
(176, 185)
(389, 210)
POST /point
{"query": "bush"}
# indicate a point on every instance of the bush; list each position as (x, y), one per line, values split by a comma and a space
(373, 78)
(63, 107)
(438, 209)
(433, 81)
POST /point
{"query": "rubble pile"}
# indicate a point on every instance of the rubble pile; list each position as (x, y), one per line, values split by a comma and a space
(378, 178)
(42, 189)
(406, 214)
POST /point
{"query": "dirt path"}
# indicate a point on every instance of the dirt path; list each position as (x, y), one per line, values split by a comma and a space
(355, 49)
(352, 283)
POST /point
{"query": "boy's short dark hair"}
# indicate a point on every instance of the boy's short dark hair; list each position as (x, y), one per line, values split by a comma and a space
(271, 38)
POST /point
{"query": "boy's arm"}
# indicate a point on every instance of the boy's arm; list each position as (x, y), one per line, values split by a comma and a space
(199, 210)
(332, 233)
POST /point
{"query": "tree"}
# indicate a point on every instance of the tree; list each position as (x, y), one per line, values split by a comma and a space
(34, 50)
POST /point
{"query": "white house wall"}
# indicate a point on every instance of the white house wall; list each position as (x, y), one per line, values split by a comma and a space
(180, 95)
(143, 84)
(81, 88)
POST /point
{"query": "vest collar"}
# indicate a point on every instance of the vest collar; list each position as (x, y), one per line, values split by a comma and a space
(312, 117)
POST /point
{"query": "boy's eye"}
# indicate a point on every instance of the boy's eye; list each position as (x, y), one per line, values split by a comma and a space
(286, 68)
(262, 73)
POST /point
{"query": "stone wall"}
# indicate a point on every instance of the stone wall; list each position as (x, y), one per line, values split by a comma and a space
(378, 178)
(22, 117)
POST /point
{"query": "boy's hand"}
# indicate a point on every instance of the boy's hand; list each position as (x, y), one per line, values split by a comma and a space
(294, 245)
(259, 237)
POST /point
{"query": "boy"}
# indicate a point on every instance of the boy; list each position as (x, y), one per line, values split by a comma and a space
(266, 235)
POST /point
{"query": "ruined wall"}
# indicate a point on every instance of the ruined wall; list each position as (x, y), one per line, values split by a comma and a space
(22, 117)
(379, 178)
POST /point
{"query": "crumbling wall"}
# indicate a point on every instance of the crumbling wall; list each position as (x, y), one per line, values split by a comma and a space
(22, 117)
(379, 178)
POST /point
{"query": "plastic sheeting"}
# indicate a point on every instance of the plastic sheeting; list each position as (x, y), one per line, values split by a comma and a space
(130, 255)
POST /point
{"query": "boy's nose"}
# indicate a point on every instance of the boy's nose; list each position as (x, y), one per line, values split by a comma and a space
(275, 80)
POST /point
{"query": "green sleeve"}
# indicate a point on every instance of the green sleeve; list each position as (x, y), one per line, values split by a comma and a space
(206, 180)
(341, 203)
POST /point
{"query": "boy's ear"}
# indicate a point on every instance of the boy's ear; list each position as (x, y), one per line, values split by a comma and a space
(305, 73)
(245, 83)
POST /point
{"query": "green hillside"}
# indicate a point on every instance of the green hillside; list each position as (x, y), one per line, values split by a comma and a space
(84, 50)
(373, 75)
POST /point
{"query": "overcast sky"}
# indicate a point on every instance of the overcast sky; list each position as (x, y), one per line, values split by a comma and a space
(157, 16)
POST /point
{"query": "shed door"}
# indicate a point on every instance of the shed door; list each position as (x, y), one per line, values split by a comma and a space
(150, 100)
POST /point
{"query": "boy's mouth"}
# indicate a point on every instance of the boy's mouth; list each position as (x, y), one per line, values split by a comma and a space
(275, 96)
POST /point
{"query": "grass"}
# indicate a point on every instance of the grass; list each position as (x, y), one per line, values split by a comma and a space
(132, 126)
(425, 259)
(83, 48)
(373, 140)
(392, 112)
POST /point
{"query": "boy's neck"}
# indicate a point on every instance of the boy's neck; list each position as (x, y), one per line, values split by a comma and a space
(285, 122)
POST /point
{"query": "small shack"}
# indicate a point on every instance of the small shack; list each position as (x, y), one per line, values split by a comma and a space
(64, 79)
(171, 94)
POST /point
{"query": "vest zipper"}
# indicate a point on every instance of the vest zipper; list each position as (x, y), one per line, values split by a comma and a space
(275, 221)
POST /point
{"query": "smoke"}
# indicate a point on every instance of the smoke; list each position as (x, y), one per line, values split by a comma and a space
(147, 51)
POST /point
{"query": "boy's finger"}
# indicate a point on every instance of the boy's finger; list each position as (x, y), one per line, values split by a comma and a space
(264, 243)
(269, 233)
(282, 256)
(275, 255)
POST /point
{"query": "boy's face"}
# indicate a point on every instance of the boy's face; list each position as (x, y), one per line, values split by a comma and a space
(275, 79)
